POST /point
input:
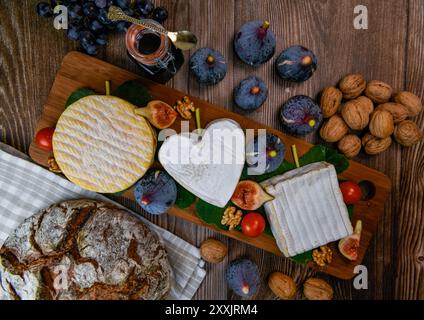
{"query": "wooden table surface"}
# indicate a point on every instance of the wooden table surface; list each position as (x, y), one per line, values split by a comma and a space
(391, 50)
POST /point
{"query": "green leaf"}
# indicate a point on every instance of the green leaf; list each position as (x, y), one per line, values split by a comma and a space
(79, 94)
(350, 208)
(283, 168)
(303, 258)
(210, 214)
(133, 92)
(323, 153)
(184, 197)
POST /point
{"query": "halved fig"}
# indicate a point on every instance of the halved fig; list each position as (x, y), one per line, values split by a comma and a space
(249, 195)
(160, 114)
(349, 246)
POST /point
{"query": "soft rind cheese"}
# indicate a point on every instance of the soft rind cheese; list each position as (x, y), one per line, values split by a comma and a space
(308, 210)
(209, 167)
(101, 145)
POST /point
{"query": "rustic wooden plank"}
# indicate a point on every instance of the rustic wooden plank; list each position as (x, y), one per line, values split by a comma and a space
(409, 241)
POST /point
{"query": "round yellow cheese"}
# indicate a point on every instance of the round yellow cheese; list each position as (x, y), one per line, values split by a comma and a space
(101, 145)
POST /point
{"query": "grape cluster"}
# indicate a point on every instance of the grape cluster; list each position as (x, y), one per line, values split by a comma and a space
(88, 22)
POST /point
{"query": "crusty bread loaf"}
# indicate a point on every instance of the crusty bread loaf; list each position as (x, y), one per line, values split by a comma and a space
(83, 249)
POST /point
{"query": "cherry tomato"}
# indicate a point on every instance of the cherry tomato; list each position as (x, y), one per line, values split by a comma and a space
(253, 224)
(44, 138)
(351, 191)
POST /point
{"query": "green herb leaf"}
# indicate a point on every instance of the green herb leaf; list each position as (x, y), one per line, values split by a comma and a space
(303, 258)
(133, 92)
(323, 153)
(210, 214)
(184, 198)
(350, 208)
(79, 94)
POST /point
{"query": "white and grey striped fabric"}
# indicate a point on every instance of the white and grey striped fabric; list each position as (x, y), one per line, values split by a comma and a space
(26, 188)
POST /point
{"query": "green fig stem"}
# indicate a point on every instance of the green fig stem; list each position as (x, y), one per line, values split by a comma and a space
(295, 157)
(358, 227)
(198, 122)
(144, 112)
(107, 87)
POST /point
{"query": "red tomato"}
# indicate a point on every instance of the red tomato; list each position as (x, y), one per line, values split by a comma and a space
(44, 138)
(351, 191)
(253, 224)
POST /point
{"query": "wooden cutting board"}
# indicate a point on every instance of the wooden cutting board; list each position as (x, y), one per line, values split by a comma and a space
(79, 71)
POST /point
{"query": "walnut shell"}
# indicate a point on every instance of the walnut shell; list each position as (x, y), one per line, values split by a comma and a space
(366, 104)
(213, 251)
(317, 289)
(398, 111)
(282, 285)
(410, 101)
(355, 115)
(381, 124)
(407, 133)
(378, 91)
(333, 129)
(350, 145)
(373, 145)
(352, 86)
(330, 101)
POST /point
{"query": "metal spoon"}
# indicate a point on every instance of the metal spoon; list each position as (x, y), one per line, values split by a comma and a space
(184, 40)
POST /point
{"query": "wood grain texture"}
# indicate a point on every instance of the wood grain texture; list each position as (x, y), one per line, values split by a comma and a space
(391, 50)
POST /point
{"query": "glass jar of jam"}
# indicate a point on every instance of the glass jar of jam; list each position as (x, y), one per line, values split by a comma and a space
(158, 58)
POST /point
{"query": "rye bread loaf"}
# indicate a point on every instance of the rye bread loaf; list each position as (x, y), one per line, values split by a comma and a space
(83, 249)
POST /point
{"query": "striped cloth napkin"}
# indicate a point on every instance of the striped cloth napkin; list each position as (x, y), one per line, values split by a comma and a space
(26, 188)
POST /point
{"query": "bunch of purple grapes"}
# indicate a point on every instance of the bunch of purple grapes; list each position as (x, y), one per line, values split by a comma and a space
(88, 22)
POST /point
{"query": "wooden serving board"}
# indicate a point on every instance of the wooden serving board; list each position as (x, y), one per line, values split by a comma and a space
(79, 71)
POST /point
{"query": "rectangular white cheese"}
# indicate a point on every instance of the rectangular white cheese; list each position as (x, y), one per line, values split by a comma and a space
(308, 210)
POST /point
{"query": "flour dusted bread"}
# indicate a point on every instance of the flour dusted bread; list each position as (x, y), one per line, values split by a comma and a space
(101, 145)
(83, 249)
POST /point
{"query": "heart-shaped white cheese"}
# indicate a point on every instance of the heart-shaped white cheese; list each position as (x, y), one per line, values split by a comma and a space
(208, 166)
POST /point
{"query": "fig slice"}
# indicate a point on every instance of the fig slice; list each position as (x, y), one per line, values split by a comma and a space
(160, 114)
(349, 246)
(249, 195)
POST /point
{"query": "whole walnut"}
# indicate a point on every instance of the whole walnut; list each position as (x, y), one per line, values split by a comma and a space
(373, 145)
(381, 124)
(330, 101)
(398, 111)
(317, 289)
(410, 101)
(352, 86)
(355, 114)
(366, 104)
(333, 129)
(213, 251)
(282, 285)
(350, 145)
(378, 91)
(407, 133)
